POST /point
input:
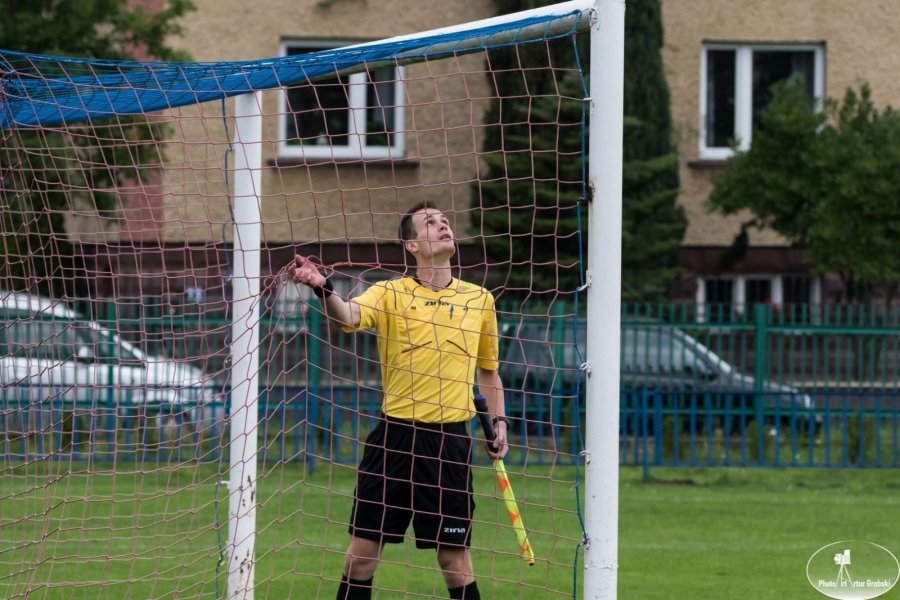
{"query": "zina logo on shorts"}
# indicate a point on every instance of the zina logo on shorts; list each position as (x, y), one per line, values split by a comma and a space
(853, 570)
(454, 529)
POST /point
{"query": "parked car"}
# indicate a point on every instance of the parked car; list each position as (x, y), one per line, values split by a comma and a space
(670, 369)
(51, 359)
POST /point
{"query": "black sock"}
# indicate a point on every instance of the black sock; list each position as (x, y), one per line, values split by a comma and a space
(466, 592)
(354, 589)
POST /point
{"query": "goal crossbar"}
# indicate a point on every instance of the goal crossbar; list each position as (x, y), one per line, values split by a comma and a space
(42, 91)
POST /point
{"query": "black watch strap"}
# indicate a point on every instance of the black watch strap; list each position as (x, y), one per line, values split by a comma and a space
(325, 290)
(496, 420)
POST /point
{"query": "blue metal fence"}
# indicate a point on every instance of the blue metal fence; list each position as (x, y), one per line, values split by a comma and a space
(329, 424)
(821, 390)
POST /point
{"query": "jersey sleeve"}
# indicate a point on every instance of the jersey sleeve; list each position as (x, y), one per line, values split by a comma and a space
(489, 341)
(371, 307)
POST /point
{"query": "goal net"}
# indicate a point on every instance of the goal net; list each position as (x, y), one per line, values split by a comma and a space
(178, 419)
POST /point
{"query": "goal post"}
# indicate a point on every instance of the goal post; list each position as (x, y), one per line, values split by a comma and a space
(604, 300)
(323, 147)
(244, 403)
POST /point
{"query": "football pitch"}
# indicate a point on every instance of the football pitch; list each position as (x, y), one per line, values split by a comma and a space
(70, 533)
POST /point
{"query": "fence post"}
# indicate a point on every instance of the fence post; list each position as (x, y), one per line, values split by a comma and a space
(761, 349)
(314, 333)
(110, 320)
(760, 371)
(558, 331)
(643, 427)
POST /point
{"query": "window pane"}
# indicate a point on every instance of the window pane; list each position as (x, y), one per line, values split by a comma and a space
(101, 344)
(796, 289)
(772, 66)
(380, 107)
(719, 298)
(320, 112)
(797, 297)
(17, 339)
(720, 68)
(639, 351)
(759, 291)
(54, 341)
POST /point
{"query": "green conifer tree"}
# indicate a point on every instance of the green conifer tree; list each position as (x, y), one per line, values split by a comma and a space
(653, 223)
(531, 190)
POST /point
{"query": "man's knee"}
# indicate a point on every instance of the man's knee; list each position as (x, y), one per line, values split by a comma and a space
(362, 558)
(456, 565)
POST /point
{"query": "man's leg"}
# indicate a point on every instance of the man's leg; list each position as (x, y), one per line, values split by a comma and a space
(360, 562)
(444, 504)
(381, 508)
(456, 564)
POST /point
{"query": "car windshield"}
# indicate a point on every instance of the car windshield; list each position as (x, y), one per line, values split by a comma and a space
(644, 347)
(107, 344)
(722, 366)
(60, 340)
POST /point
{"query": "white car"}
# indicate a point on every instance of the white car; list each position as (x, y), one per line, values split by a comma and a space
(53, 360)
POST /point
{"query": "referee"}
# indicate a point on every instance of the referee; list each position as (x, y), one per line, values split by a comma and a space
(437, 336)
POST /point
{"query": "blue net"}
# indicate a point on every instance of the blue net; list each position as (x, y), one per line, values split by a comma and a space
(42, 91)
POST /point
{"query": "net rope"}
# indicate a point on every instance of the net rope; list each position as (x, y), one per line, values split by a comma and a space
(49, 90)
(116, 180)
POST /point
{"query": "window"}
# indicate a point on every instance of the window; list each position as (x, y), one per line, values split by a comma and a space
(359, 115)
(725, 298)
(736, 86)
(644, 351)
(715, 298)
(49, 340)
(758, 290)
(59, 340)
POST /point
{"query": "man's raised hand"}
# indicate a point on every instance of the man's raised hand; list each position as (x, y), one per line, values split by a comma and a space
(302, 270)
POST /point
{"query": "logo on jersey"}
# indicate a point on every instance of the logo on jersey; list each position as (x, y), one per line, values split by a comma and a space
(437, 303)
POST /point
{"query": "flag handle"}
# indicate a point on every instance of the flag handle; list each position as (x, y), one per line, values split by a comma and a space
(509, 499)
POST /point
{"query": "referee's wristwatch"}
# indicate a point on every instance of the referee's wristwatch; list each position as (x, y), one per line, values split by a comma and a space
(496, 420)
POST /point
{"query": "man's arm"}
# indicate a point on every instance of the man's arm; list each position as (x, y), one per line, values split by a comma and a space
(344, 312)
(491, 387)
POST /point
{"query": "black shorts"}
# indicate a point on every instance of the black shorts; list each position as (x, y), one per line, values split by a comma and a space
(419, 472)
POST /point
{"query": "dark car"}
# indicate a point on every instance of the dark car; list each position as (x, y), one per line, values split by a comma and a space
(662, 369)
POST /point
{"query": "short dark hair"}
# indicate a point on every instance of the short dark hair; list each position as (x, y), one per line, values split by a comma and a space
(407, 231)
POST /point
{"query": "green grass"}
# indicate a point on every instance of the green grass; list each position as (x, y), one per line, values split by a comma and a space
(730, 533)
(151, 532)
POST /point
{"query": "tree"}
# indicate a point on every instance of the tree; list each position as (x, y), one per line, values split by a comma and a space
(826, 180)
(653, 224)
(531, 192)
(47, 173)
(531, 201)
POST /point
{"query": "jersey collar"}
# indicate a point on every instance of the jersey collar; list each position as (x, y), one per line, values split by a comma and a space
(450, 286)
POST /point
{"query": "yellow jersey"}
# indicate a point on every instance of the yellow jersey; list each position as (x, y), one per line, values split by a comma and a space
(430, 343)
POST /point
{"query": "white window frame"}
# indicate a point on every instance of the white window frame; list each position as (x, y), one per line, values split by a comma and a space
(356, 148)
(739, 291)
(743, 92)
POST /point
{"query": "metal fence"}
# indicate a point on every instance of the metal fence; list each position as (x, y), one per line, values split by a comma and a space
(799, 386)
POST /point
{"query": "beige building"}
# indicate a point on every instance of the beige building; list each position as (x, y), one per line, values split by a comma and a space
(720, 55)
(324, 182)
(338, 198)
(341, 162)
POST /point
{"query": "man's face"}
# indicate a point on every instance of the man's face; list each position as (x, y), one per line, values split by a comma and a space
(434, 238)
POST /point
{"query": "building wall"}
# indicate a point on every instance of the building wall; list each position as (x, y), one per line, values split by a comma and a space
(356, 204)
(328, 201)
(334, 206)
(858, 37)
